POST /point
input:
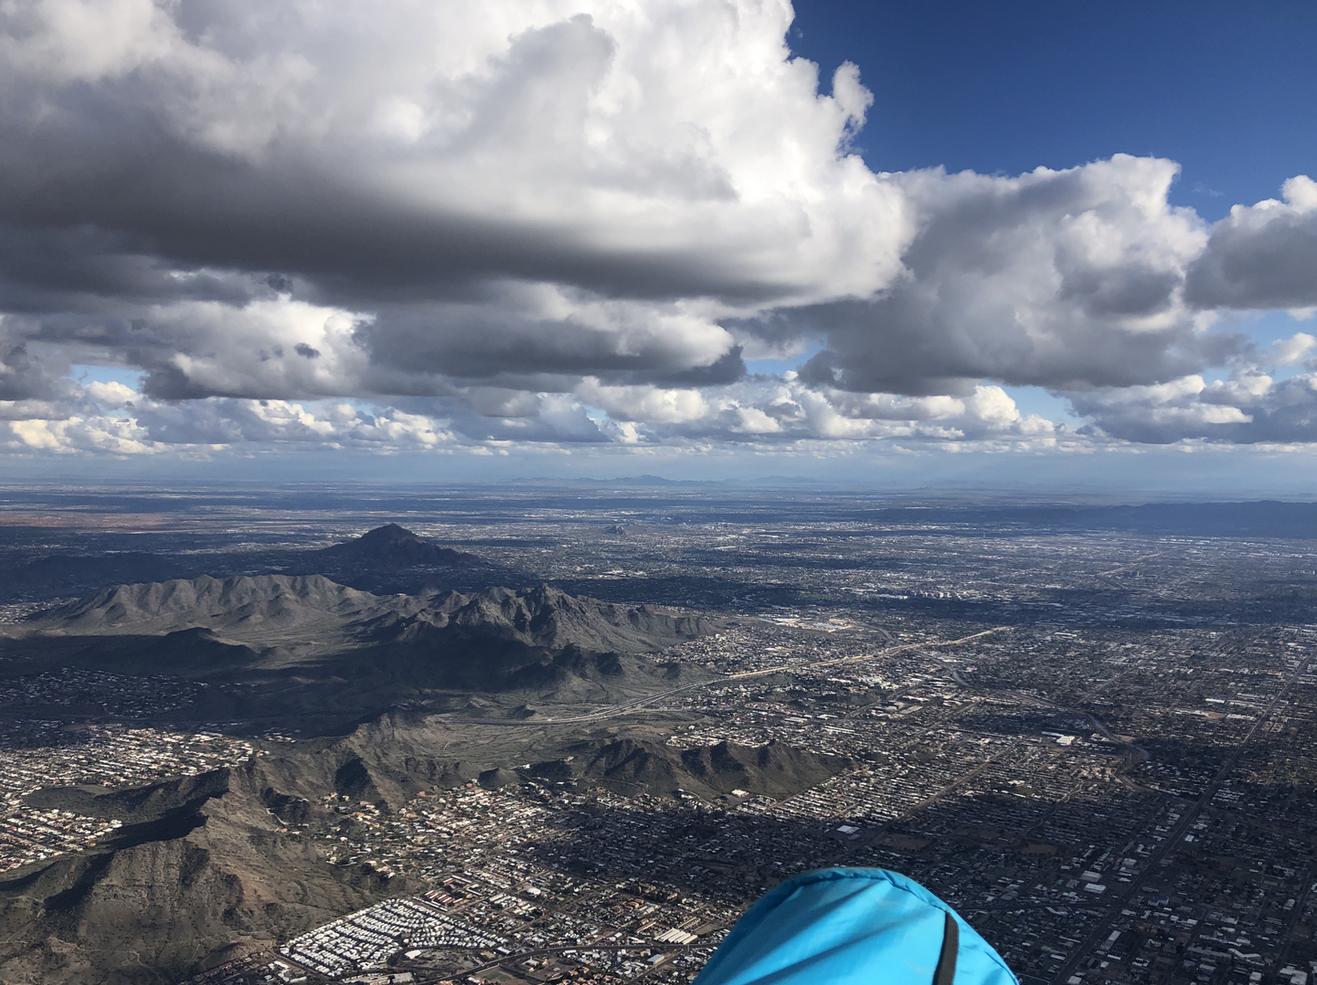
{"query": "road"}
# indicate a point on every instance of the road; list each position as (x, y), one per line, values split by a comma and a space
(554, 949)
(612, 711)
(1118, 901)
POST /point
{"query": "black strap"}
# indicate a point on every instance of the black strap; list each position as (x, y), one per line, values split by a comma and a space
(946, 962)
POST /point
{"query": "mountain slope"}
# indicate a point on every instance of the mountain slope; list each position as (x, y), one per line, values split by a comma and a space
(542, 617)
(193, 653)
(523, 639)
(392, 546)
(243, 602)
(628, 764)
(211, 868)
(358, 653)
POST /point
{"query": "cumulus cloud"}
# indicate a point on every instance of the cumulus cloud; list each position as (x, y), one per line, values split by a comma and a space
(1263, 255)
(112, 418)
(24, 377)
(615, 145)
(354, 200)
(1053, 278)
(1249, 407)
(72, 435)
(1294, 350)
(572, 222)
(544, 337)
(788, 411)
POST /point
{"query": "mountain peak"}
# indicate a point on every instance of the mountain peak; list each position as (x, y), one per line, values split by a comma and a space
(394, 545)
(390, 533)
(251, 602)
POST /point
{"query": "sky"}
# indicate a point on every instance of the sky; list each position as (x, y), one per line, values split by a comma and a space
(1010, 244)
(1215, 85)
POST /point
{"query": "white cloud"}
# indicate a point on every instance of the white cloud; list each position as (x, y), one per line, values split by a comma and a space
(1052, 278)
(111, 393)
(564, 222)
(1294, 350)
(614, 143)
(645, 403)
(1262, 255)
(86, 40)
(1249, 407)
(104, 435)
(268, 346)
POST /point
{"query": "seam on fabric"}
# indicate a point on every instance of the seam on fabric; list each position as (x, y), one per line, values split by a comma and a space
(873, 875)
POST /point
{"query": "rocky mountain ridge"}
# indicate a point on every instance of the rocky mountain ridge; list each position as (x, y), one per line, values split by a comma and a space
(393, 545)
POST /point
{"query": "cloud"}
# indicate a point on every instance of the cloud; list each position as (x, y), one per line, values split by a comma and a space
(1263, 255)
(1294, 350)
(1052, 278)
(614, 146)
(572, 222)
(25, 377)
(352, 201)
(1248, 407)
(282, 422)
(788, 412)
(75, 435)
(544, 337)
(114, 418)
(645, 403)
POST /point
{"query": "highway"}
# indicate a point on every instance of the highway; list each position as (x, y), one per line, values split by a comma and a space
(612, 711)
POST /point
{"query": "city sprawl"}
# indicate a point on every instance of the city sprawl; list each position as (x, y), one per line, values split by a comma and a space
(1099, 743)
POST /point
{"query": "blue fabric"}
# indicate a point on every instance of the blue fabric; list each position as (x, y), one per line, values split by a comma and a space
(849, 927)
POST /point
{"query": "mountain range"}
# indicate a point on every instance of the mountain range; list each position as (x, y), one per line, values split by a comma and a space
(305, 645)
(207, 867)
(385, 558)
(627, 764)
(254, 606)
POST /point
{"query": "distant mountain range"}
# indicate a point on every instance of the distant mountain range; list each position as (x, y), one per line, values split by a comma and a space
(252, 605)
(373, 649)
(255, 603)
(383, 558)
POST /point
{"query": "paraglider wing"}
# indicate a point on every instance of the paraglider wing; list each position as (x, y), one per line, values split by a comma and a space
(853, 927)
